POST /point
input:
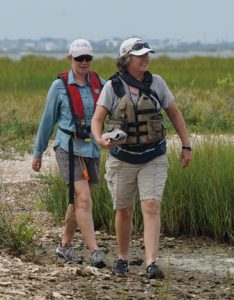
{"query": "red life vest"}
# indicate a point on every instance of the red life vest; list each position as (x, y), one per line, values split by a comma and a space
(74, 93)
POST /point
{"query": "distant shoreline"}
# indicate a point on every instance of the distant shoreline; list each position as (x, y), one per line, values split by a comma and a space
(176, 54)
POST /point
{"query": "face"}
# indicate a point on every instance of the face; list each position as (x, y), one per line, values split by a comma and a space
(138, 64)
(80, 64)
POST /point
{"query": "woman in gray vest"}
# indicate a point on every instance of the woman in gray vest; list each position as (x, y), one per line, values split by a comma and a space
(137, 161)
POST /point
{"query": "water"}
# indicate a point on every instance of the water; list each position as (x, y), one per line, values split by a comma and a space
(57, 55)
(173, 54)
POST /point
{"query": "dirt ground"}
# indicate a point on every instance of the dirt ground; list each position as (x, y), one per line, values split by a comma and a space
(195, 268)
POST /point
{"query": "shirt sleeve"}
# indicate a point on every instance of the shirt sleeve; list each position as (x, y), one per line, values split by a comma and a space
(107, 96)
(48, 120)
(103, 81)
(161, 88)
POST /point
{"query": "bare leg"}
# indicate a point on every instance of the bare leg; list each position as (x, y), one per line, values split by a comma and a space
(70, 225)
(151, 215)
(83, 208)
(123, 228)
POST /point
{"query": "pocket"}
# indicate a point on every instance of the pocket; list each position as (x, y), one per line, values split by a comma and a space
(82, 129)
(156, 129)
(118, 124)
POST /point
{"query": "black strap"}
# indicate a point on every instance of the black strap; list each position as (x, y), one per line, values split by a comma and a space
(71, 164)
(71, 170)
(137, 133)
(135, 124)
(117, 85)
(70, 145)
(146, 111)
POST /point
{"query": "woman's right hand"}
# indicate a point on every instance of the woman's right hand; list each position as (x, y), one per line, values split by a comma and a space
(106, 144)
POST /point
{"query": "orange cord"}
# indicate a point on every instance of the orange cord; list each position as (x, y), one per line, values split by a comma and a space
(85, 174)
(82, 163)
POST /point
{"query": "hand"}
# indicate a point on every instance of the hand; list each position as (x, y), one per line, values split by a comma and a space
(106, 144)
(185, 158)
(36, 163)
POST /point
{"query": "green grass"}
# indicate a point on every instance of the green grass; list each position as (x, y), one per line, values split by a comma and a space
(196, 72)
(54, 197)
(199, 200)
(17, 232)
(35, 73)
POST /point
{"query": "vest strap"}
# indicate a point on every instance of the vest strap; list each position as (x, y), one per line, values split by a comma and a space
(137, 133)
(146, 111)
(136, 124)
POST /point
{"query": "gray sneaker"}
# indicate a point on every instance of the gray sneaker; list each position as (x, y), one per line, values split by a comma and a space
(68, 254)
(97, 260)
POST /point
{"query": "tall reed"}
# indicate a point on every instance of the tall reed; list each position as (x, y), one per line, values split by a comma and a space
(199, 200)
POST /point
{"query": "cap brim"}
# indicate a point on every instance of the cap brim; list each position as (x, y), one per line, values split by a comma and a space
(82, 52)
(141, 51)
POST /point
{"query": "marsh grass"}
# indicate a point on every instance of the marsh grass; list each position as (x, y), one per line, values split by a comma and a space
(199, 200)
(203, 73)
(53, 198)
(19, 117)
(103, 213)
(35, 73)
(17, 231)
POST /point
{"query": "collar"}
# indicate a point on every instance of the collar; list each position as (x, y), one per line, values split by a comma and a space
(71, 79)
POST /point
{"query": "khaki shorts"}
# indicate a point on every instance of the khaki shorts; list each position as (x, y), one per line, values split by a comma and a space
(92, 165)
(124, 180)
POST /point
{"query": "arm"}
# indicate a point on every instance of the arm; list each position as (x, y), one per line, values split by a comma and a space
(49, 118)
(177, 120)
(97, 125)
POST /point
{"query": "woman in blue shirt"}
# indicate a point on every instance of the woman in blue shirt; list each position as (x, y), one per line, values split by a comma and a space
(71, 103)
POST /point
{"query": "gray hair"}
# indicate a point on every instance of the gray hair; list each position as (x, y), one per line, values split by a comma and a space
(122, 62)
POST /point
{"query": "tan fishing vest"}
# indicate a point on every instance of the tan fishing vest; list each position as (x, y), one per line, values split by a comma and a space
(141, 121)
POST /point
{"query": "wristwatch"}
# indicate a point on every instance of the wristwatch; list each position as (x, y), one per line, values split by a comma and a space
(189, 148)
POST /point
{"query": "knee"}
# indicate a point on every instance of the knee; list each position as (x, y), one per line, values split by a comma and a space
(125, 213)
(151, 208)
(83, 204)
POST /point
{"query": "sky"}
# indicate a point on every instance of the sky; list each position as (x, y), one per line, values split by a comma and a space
(186, 20)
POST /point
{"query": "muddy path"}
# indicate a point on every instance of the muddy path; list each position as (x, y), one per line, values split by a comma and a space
(195, 268)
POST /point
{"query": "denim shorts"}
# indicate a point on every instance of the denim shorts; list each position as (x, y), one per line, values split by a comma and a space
(124, 180)
(91, 164)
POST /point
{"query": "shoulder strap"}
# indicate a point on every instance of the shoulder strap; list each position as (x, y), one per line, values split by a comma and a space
(117, 85)
(64, 77)
(96, 85)
(97, 76)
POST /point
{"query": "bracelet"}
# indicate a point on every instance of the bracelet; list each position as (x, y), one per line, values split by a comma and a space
(187, 148)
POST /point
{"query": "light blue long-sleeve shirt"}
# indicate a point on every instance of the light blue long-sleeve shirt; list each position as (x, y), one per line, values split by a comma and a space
(57, 111)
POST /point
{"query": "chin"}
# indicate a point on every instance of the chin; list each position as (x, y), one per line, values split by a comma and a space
(84, 71)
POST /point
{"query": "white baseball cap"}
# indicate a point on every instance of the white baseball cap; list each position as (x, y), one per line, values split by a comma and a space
(134, 46)
(80, 47)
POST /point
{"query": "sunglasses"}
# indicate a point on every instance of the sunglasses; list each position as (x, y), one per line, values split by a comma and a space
(140, 46)
(81, 58)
